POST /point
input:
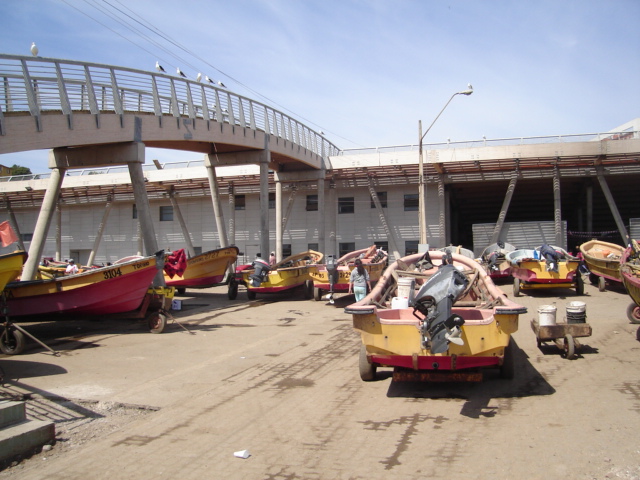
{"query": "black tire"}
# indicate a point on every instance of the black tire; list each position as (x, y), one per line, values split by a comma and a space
(308, 289)
(181, 290)
(580, 285)
(232, 291)
(633, 313)
(317, 294)
(12, 341)
(569, 347)
(251, 295)
(602, 284)
(157, 322)
(367, 370)
(508, 367)
(516, 287)
(593, 279)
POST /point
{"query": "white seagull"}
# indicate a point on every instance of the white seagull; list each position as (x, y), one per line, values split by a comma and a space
(34, 49)
(179, 72)
(159, 67)
(206, 77)
(221, 84)
(199, 77)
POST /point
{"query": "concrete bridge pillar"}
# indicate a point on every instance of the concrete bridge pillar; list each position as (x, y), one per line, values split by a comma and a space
(265, 159)
(44, 221)
(209, 161)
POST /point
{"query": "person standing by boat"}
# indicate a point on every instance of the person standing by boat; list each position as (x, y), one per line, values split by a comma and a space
(72, 268)
(359, 281)
(272, 259)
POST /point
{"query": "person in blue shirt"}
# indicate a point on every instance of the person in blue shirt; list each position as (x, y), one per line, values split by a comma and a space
(359, 281)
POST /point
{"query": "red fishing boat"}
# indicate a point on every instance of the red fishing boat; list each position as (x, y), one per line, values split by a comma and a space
(201, 271)
(630, 273)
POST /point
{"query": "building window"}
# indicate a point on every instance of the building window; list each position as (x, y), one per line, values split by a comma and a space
(286, 250)
(166, 214)
(410, 247)
(134, 213)
(344, 248)
(272, 200)
(240, 202)
(312, 203)
(383, 245)
(26, 237)
(346, 205)
(411, 202)
(382, 198)
(312, 246)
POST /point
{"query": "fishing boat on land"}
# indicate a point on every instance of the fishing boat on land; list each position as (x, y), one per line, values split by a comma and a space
(603, 261)
(333, 276)
(453, 323)
(11, 266)
(100, 291)
(205, 270)
(291, 272)
(494, 260)
(531, 271)
(630, 274)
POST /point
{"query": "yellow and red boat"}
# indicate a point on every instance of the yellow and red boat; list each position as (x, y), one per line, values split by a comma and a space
(205, 270)
(333, 275)
(455, 323)
(530, 271)
(291, 272)
(603, 262)
(11, 266)
(630, 274)
(99, 291)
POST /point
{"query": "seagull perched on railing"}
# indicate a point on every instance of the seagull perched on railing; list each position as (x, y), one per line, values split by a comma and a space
(159, 67)
(34, 49)
(221, 84)
(198, 77)
(179, 72)
(206, 77)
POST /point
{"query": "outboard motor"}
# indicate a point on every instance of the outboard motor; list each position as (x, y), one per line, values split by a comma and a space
(435, 301)
(332, 271)
(261, 268)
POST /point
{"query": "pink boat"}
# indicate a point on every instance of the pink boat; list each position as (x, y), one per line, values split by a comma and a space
(100, 291)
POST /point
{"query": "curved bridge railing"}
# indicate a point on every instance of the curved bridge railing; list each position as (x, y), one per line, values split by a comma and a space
(37, 85)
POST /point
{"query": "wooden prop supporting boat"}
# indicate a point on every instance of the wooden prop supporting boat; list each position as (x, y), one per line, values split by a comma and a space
(202, 271)
(603, 262)
(333, 277)
(630, 274)
(530, 271)
(11, 266)
(438, 335)
(291, 272)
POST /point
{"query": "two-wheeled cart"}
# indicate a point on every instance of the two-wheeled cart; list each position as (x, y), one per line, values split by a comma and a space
(562, 334)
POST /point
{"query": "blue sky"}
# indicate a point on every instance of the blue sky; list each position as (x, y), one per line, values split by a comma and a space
(365, 72)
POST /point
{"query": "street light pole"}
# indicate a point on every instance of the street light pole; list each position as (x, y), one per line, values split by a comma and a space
(422, 200)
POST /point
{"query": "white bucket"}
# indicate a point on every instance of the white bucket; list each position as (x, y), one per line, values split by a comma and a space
(576, 312)
(399, 302)
(547, 315)
(406, 287)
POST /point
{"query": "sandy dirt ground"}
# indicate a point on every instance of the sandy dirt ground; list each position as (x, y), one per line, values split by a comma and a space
(278, 377)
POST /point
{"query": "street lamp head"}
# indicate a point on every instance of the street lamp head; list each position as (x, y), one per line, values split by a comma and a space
(468, 91)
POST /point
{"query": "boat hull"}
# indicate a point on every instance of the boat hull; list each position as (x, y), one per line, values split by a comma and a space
(630, 275)
(603, 259)
(108, 290)
(391, 337)
(205, 270)
(11, 266)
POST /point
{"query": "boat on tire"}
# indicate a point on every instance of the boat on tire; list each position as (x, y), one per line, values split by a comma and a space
(454, 324)
(291, 272)
(494, 260)
(530, 271)
(630, 274)
(333, 276)
(603, 261)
